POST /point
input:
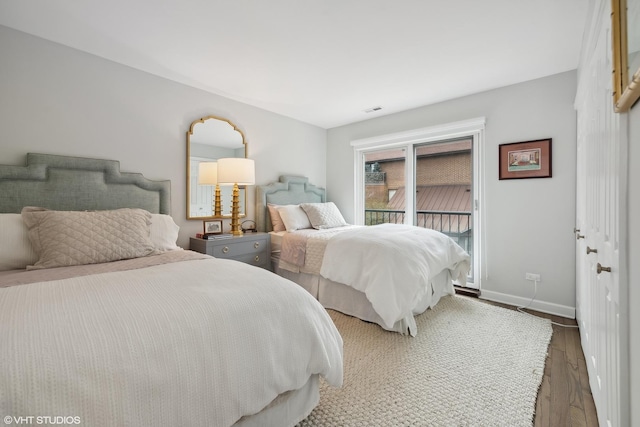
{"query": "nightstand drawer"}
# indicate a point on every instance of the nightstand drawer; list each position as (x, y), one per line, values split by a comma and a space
(251, 248)
(232, 249)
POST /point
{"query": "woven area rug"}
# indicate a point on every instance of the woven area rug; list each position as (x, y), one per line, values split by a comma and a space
(471, 364)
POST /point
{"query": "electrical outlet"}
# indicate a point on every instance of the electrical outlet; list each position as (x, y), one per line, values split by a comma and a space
(532, 276)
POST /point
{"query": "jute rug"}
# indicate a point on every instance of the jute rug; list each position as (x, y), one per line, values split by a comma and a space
(471, 364)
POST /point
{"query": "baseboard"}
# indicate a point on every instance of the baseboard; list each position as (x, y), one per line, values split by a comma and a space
(542, 306)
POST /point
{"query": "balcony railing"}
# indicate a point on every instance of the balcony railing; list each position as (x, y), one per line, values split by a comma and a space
(457, 225)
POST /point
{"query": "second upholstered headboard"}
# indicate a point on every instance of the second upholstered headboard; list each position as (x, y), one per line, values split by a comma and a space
(289, 190)
(75, 184)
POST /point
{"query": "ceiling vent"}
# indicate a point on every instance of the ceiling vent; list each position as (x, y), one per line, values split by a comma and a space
(372, 109)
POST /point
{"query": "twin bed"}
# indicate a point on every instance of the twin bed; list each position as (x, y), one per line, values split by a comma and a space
(113, 324)
(393, 272)
(105, 321)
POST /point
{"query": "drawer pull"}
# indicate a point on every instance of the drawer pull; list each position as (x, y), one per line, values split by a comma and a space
(257, 258)
(225, 249)
(256, 245)
(600, 269)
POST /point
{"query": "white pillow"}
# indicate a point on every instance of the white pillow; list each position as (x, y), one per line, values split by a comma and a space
(16, 251)
(164, 232)
(293, 217)
(323, 215)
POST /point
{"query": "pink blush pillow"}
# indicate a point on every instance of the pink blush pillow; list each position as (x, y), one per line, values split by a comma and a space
(276, 219)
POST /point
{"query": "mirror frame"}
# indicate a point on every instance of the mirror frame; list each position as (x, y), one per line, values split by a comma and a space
(626, 89)
(189, 134)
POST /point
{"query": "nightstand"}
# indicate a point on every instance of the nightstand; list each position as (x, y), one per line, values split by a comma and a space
(250, 248)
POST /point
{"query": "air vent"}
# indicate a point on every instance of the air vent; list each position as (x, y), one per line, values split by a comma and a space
(372, 109)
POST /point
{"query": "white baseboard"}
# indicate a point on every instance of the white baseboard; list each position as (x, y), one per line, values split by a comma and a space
(542, 306)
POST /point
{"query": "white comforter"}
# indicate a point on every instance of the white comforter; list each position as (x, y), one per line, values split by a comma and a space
(393, 265)
(190, 343)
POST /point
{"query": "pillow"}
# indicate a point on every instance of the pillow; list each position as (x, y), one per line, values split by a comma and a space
(276, 219)
(16, 251)
(323, 215)
(293, 217)
(164, 233)
(63, 238)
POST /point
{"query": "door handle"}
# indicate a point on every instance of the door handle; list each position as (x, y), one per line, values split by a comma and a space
(600, 269)
(575, 230)
(589, 250)
(579, 236)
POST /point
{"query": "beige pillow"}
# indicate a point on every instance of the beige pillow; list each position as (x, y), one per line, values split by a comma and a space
(323, 215)
(63, 238)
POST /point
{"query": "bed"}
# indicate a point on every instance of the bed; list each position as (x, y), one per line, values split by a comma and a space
(112, 324)
(385, 274)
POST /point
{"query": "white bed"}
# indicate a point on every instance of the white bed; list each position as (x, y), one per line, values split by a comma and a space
(310, 269)
(157, 336)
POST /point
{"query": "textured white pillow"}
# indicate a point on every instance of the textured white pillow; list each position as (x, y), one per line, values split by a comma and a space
(63, 238)
(164, 232)
(293, 217)
(16, 251)
(323, 215)
(276, 219)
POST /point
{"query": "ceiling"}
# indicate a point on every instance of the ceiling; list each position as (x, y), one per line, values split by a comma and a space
(321, 61)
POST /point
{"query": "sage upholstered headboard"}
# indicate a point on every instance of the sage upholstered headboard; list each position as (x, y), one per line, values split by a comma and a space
(290, 190)
(75, 183)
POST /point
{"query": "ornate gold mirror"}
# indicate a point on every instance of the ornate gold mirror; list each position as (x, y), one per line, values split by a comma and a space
(625, 20)
(209, 139)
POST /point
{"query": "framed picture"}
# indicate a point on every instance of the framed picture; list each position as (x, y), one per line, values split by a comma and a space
(213, 226)
(528, 159)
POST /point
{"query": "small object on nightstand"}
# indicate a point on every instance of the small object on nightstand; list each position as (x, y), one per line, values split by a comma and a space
(248, 226)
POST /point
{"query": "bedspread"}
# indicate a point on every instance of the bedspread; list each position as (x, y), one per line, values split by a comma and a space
(200, 342)
(393, 265)
(312, 244)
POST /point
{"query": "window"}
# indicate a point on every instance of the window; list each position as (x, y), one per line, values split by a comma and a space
(427, 177)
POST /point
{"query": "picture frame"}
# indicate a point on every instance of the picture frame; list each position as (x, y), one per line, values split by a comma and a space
(527, 159)
(212, 226)
(625, 16)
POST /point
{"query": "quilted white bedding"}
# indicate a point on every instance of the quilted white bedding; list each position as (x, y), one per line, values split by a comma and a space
(393, 265)
(200, 342)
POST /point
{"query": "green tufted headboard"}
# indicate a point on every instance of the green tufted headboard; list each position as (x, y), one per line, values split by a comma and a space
(75, 183)
(290, 190)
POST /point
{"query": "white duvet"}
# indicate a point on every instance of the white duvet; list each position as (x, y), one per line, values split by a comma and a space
(393, 265)
(199, 342)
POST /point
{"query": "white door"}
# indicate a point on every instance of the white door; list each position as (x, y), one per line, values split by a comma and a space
(601, 171)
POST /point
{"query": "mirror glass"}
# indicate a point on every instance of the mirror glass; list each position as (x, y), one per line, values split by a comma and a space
(208, 139)
(633, 37)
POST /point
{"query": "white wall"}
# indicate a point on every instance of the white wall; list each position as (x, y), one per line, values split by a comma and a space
(529, 222)
(58, 100)
(633, 260)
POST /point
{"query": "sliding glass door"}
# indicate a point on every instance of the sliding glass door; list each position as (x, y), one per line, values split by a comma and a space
(431, 182)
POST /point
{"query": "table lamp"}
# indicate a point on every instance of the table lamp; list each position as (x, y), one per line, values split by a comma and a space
(208, 175)
(236, 171)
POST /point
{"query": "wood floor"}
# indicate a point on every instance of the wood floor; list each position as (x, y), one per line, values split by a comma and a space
(564, 398)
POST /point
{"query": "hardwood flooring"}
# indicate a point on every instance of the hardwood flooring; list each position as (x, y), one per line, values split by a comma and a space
(564, 397)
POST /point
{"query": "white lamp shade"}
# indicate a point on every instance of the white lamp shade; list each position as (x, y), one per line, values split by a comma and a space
(207, 173)
(236, 171)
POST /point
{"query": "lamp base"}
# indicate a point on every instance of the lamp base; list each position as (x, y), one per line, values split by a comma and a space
(236, 229)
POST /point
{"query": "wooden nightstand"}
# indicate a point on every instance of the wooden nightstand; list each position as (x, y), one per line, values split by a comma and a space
(251, 248)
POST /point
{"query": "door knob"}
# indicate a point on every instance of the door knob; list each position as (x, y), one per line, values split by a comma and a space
(600, 269)
(589, 250)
